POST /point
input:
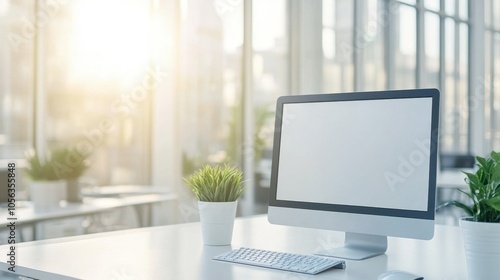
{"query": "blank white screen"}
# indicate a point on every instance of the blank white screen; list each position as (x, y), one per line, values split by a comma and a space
(372, 153)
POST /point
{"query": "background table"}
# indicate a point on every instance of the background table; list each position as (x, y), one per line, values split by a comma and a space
(142, 204)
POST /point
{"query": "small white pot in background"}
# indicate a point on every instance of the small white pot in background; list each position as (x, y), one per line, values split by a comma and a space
(46, 195)
(217, 220)
(482, 249)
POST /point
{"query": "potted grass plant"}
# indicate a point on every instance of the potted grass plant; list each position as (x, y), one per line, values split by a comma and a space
(46, 189)
(481, 228)
(217, 190)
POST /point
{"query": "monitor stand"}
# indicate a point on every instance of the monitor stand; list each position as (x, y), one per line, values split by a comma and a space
(358, 246)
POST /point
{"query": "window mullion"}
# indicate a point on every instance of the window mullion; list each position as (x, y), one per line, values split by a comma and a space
(358, 59)
(390, 45)
(477, 87)
(420, 59)
(39, 89)
(293, 28)
(491, 87)
(248, 110)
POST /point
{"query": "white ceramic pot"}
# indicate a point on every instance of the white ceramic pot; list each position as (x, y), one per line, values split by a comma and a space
(482, 249)
(217, 219)
(47, 195)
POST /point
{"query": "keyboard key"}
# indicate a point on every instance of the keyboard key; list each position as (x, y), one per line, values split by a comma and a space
(278, 260)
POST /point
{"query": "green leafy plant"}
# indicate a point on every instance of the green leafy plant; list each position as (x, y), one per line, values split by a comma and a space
(38, 168)
(57, 164)
(484, 190)
(216, 184)
(69, 163)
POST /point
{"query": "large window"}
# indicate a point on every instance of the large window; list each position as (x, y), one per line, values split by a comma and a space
(376, 45)
(339, 45)
(405, 46)
(431, 43)
(370, 38)
(492, 73)
(209, 84)
(17, 77)
(96, 84)
(126, 79)
(71, 76)
(455, 84)
(208, 87)
(270, 79)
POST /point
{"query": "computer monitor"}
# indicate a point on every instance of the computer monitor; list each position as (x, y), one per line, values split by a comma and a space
(363, 163)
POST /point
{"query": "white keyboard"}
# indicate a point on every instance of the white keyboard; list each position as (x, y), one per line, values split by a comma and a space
(278, 260)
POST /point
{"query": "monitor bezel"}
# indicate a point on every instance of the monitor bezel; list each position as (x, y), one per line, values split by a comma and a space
(428, 214)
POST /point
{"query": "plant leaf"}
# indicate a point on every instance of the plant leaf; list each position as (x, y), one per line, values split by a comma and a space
(495, 156)
(216, 184)
(484, 190)
(494, 202)
(459, 204)
(481, 161)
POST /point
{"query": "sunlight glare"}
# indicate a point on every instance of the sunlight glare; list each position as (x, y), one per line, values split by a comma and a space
(270, 27)
(110, 39)
(4, 7)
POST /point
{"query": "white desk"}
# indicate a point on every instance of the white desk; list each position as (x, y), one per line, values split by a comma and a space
(176, 252)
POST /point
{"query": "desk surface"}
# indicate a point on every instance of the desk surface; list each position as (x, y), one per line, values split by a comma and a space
(177, 252)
